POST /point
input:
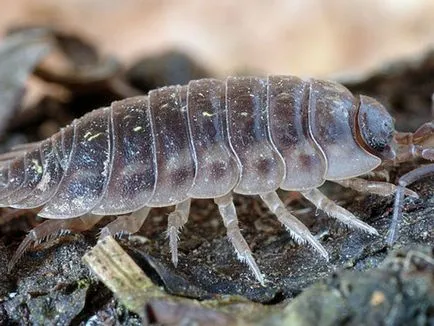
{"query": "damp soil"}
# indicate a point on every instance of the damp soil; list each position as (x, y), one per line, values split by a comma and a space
(50, 285)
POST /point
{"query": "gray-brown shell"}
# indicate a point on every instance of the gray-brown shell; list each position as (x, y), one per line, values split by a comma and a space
(244, 134)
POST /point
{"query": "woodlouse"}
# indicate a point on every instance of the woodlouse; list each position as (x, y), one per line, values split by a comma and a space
(208, 139)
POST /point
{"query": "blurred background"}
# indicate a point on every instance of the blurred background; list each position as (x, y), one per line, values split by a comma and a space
(303, 37)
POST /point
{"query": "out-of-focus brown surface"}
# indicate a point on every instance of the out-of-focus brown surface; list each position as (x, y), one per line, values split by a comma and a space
(303, 37)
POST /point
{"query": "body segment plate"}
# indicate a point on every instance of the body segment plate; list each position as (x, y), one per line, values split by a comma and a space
(288, 99)
(175, 164)
(133, 172)
(332, 115)
(84, 181)
(217, 169)
(261, 166)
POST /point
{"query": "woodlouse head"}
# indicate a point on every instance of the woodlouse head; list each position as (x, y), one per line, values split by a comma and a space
(375, 128)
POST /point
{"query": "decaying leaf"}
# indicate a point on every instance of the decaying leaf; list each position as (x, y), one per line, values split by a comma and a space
(19, 54)
(121, 275)
(117, 270)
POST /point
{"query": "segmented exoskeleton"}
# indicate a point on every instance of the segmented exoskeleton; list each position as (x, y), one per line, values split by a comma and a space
(209, 139)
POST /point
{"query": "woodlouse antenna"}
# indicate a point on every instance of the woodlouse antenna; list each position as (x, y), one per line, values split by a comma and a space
(411, 146)
(404, 181)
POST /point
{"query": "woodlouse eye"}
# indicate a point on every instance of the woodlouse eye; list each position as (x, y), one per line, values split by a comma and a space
(376, 127)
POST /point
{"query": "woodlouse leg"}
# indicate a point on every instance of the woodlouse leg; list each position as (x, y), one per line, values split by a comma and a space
(51, 229)
(230, 220)
(336, 211)
(404, 181)
(379, 174)
(296, 228)
(175, 222)
(126, 224)
(373, 187)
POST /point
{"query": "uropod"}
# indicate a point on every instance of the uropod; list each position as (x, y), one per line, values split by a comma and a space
(209, 139)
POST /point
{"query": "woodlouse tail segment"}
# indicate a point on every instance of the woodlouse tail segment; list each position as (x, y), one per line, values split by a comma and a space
(297, 229)
(51, 229)
(230, 220)
(334, 210)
